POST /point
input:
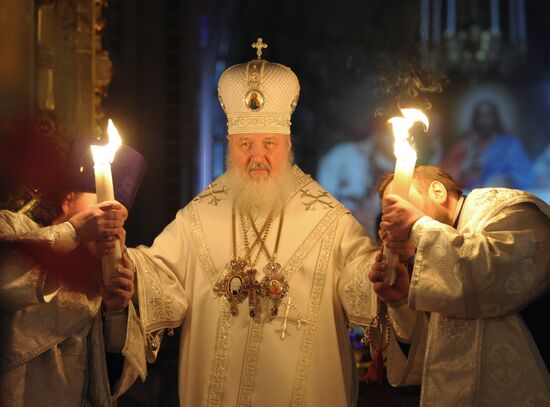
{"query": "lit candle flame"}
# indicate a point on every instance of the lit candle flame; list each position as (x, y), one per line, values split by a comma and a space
(103, 157)
(405, 161)
(402, 146)
(106, 153)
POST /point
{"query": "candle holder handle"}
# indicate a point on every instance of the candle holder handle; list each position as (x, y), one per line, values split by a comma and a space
(109, 263)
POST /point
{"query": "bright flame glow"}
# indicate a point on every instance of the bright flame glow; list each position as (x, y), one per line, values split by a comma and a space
(106, 154)
(402, 146)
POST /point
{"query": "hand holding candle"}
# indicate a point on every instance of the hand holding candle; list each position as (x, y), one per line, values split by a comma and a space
(404, 167)
(103, 157)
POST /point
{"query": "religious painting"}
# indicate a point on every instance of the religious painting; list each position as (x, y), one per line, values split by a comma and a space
(485, 134)
(254, 100)
(235, 285)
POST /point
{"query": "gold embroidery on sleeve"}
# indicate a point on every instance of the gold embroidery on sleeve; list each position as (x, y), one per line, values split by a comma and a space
(202, 250)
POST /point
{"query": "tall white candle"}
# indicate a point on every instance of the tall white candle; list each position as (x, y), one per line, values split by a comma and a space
(103, 157)
(404, 167)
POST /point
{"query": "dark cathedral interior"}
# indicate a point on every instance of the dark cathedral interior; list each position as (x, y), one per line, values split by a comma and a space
(67, 66)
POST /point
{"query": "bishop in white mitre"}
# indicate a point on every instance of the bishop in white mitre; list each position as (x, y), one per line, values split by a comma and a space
(264, 269)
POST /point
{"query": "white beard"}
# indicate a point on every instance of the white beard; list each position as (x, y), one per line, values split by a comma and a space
(258, 198)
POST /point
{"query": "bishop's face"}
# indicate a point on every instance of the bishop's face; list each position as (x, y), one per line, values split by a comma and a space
(259, 156)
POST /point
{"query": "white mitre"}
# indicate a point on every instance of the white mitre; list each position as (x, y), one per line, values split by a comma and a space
(258, 96)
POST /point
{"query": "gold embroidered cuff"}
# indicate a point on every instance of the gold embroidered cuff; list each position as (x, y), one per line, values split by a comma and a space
(62, 237)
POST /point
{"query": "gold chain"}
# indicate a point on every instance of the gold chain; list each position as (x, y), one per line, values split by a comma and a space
(265, 226)
(277, 240)
(260, 237)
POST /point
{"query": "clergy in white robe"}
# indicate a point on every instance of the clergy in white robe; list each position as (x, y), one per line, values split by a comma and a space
(55, 331)
(479, 261)
(53, 344)
(264, 268)
(302, 356)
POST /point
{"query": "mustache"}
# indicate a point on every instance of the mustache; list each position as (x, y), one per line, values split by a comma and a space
(258, 166)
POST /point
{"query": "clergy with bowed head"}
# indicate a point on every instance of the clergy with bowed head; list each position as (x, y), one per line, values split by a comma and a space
(264, 269)
(55, 336)
(478, 261)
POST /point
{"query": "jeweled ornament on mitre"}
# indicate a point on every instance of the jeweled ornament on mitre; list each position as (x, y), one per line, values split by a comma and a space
(258, 96)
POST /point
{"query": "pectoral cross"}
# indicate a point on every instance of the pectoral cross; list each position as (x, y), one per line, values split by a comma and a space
(291, 314)
(259, 45)
(253, 288)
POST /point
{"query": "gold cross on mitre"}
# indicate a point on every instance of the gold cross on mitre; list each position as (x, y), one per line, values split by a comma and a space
(259, 45)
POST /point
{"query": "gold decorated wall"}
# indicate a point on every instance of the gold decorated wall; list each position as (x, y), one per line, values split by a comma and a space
(53, 72)
(53, 65)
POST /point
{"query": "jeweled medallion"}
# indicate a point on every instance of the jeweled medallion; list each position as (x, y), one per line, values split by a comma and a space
(235, 285)
(274, 285)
